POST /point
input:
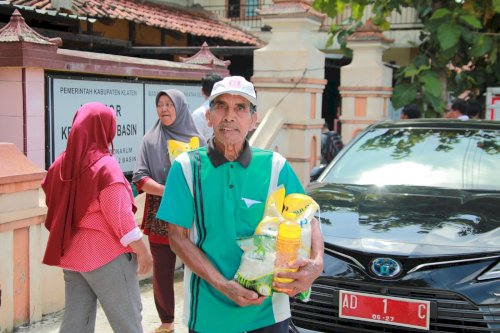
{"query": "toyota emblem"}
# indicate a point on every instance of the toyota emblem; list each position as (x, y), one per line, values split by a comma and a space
(385, 267)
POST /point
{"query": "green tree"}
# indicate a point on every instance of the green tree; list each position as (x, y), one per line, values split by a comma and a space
(459, 45)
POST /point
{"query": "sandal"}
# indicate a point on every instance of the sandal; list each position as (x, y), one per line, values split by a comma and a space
(164, 330)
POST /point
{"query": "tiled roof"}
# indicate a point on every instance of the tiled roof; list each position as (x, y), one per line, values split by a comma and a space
(170, 17)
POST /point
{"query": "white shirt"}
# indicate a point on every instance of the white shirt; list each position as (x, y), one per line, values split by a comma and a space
(463, 117)
(200, 121)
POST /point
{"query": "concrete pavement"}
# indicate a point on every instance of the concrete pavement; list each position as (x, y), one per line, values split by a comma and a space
(52, 322)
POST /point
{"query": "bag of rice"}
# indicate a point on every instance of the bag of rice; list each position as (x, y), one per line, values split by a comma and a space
(257, 268)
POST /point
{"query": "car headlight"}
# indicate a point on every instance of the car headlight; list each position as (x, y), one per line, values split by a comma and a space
(492, 273)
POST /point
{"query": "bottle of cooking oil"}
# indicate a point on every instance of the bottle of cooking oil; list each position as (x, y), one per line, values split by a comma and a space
(287, 245)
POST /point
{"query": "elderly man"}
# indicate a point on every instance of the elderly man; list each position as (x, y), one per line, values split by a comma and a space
(217, 194)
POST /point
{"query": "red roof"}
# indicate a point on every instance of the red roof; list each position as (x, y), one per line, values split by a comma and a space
(165, 16)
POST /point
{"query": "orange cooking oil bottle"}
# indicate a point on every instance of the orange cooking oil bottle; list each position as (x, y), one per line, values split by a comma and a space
(287, 245)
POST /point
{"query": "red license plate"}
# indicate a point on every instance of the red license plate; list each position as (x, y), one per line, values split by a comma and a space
(384, 309)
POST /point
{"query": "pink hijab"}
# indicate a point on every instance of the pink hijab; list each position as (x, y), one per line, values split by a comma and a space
(79, 174)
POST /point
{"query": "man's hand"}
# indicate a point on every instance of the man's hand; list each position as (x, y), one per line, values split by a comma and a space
(241, 296)
(308, 271)
(195, 259)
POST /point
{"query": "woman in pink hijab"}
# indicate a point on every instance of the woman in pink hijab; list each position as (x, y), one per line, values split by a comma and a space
(93, 233)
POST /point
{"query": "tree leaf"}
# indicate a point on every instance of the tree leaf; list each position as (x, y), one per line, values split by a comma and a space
(493, 55)
(445, 55)
(496, 5)
(326, 6)
(448, 35)
(457, 32)
(403, 94)
(411, 71)
(385, 25)
(440, 13)
(467, 35)
(436, 103)
(431, 82)
(470, 21)
(421, 60)
(482, 44)
(357, 11)
(340, 7)
(329, 42)
(479, 76)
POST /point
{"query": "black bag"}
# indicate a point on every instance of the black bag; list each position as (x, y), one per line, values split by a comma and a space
(331, 144)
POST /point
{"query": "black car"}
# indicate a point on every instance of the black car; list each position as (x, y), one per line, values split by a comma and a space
(410, 215)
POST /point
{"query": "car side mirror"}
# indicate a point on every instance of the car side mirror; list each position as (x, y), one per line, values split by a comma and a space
(316, 172)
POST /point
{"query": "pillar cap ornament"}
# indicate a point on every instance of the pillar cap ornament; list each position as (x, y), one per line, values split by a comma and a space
(206, 58)
(291, 8)
(369, 32)
(18, 31)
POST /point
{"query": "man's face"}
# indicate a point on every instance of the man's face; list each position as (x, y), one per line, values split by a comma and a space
(451, 114)
(231, 119)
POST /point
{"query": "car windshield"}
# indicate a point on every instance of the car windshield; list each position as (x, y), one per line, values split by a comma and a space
(446, 158)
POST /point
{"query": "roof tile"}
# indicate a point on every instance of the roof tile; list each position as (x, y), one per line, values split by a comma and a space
(163, 16)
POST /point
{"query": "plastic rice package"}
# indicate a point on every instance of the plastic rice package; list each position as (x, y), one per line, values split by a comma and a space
(257, 267)
(257, 263)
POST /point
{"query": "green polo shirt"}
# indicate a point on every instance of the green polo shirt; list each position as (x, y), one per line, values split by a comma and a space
(220, 202)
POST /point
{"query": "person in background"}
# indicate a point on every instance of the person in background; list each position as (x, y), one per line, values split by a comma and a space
(331, 145)
(473, 109)
(411, 111)
(215, 195)
(150, 173)
(93, 233)
(458, 110)
(200, 114)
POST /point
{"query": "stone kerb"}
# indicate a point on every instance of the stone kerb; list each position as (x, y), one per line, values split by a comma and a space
(21, 240)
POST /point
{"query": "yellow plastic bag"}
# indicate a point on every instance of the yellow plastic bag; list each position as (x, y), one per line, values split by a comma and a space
(175, 148)
(304, 207)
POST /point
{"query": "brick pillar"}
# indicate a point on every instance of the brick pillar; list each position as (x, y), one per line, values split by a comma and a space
(289, 79)
(366, 83)
(22, 242)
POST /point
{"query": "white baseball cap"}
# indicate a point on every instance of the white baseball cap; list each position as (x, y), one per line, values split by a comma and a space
(234, 85)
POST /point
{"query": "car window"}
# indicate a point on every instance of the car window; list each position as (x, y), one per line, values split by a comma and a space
(448, 158)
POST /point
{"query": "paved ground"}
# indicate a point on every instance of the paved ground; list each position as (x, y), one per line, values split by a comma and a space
(51, 323)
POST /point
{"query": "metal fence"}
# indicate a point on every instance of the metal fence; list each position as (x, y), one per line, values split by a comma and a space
(247, 15)
(407, 19)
